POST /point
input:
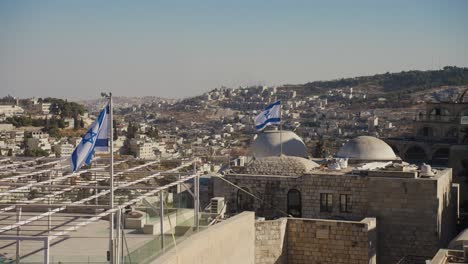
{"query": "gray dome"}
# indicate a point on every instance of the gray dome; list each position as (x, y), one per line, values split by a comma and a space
(267, 144)
(284, 165)
(367, 148)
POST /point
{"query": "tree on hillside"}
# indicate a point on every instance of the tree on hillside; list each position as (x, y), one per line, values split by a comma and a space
(131, 130)
(319, 150)
(114, 127)
(64, 108)
(152, 132)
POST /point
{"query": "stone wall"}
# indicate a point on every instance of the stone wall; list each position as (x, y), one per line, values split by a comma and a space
(329, 241)
(415, 216)
(270, 242)
(298, 240)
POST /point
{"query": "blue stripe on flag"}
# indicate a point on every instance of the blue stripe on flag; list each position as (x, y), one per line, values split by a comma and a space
(102, 142)
(90, 157)
(74, 160)
(272, 105)
(268, 121)
(101, 116)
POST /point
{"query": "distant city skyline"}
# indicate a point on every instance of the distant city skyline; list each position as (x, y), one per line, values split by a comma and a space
(177, 49)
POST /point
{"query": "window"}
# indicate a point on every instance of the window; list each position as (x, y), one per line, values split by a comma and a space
(426, 132)
(345, 203)
(326, 202)
(294, 203)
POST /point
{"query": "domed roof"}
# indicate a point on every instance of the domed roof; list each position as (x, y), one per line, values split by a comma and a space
(268, 143)
(367, 148)
(284, 165)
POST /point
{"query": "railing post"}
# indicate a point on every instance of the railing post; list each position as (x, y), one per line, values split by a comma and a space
(49, 221)
(46, 250)
(161, 217)
(18, 232)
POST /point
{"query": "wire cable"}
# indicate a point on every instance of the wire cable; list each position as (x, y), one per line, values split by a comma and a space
(251, 194)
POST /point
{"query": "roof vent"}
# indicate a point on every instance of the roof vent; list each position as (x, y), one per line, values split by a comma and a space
(426, 170)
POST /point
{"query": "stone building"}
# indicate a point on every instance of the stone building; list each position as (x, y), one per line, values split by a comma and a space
(415, 211)
(440, 138)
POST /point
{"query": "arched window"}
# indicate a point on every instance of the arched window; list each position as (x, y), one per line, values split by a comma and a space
(244, 201)
(416, 154)
(438, 112)
(441, 157)
(294, 203)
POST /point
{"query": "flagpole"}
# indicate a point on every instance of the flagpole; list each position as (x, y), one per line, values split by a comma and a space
(281, 130)
(111, 182)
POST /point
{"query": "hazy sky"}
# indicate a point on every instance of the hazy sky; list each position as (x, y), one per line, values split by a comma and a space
(76, 49)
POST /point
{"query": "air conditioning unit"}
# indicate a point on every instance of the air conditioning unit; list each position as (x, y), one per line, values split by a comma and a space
(217, 206)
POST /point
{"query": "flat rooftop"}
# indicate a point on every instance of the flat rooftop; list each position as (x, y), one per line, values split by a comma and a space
(88, 244)
(40, 198)
(368, 169)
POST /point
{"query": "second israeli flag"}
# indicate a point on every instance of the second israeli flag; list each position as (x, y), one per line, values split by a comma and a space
(270, 116)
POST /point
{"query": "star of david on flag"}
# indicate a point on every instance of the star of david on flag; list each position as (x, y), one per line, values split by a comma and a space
(97, 137)
(270, 116)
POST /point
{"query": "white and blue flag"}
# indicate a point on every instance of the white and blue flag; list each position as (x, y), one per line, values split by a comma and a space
(270, 116)
(97, 138)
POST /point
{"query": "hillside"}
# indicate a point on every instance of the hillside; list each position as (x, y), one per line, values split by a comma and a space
(404, 81)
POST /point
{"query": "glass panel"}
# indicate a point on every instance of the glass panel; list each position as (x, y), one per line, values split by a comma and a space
(349, 204)
(329, 202)
(342, 203)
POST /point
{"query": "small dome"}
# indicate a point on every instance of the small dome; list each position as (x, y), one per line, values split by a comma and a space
(284, 165)
(367, 148)
(268, 143)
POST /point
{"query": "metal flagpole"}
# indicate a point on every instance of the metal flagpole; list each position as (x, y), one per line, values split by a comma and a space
(281, 130)
(196, 202)
(117, 237)
(111, 182)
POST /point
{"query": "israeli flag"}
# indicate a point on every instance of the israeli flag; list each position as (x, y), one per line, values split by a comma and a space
(270, 116)
(96, 137)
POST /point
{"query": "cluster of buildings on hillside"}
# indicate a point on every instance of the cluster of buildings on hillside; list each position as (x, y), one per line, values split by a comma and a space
(313, 116)
(31, 106)
(29, 139)
(224, 119)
